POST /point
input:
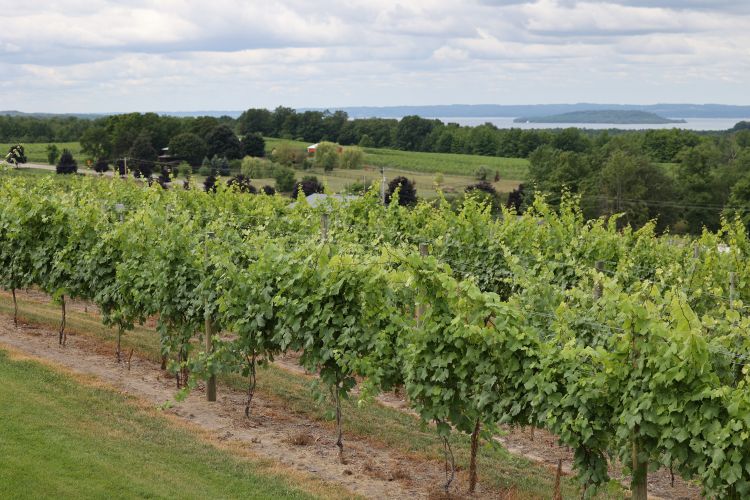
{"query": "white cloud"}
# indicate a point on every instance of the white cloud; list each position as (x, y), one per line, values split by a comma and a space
(75, 55)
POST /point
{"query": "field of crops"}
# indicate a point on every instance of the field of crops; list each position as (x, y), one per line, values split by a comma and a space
(458, 164)
(620, 343)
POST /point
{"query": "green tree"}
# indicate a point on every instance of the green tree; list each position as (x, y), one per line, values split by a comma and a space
(255, 121)
(222, 141)
(53, 153)
(253, 145)
(412, 132)
(327, 156)
(631, 185)
(285, 180)
(352, 158)
(571, 139)
(188, 147)
(551, 170)
(697, 184)
(96, 142)
(142, 156)
(739, 201)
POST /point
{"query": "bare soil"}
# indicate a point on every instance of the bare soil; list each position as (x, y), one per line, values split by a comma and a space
(274, 432)
(271, 432)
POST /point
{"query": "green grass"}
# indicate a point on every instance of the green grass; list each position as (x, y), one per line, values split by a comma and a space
(37, 152)
(510, 169)
(378, 424)
(62, 438)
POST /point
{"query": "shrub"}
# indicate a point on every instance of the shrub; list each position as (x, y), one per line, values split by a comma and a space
(101, 166)
(483, 186)
(220, 165)
(285, 180)
(67, 164)
(407, 193)
(242, 184)
(308, 185)
(352, 158)
(288, 155)
(482, 173)
(327, 156)
(235, 166)
(269, 190)
(259, 168)
(517, 199)
(209, 185)
(185, 169)
(205, 171)
(16, 155)
(53, 153)
(355, 188)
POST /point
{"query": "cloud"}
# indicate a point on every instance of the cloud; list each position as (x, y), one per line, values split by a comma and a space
(188, 54)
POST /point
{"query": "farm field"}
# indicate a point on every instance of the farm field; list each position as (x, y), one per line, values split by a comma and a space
(485, 332)
(37, 152)
(65, 436)
(378, 426)
(414, 166)
(510, 169)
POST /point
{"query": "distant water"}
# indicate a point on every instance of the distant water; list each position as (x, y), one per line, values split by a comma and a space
(507, 122)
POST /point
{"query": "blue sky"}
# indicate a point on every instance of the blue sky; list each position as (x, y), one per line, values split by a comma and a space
(141, 55)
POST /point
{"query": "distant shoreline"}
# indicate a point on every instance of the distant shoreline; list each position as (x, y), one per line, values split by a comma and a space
(607, 116)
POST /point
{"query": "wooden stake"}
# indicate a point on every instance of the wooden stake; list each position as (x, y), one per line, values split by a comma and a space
(324, 228)
(15, 308)
(473, 459)
(211, 382)
(424, 251)
(598, 285)
(62, 323)
(557, 495)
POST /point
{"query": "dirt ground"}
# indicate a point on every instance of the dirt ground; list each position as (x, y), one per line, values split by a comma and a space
(274, 433)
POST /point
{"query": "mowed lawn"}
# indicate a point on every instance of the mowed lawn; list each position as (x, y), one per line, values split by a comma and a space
(61, 438)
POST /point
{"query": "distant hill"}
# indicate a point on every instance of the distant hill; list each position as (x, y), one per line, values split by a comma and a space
(528, 110)
(51, 115)
(613, 116)
(475, 111)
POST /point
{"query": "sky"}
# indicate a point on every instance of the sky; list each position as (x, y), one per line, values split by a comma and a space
(185, 55)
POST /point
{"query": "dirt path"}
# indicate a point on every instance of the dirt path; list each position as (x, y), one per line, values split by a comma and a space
(272, 432)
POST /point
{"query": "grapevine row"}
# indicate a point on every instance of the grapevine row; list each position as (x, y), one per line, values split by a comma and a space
(507, 321)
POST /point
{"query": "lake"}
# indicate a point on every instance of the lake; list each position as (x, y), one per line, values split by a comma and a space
(507, 122)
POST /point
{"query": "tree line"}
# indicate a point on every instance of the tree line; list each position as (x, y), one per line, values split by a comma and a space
(115, 135)
(704, 181)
